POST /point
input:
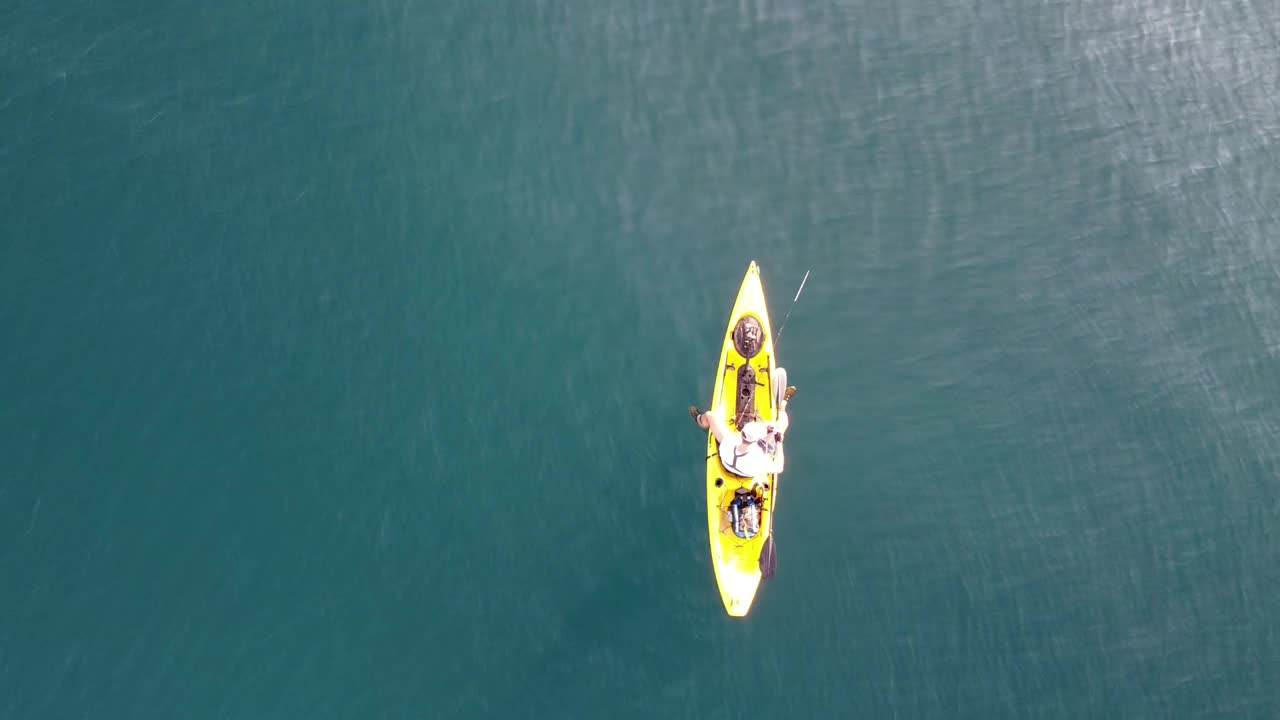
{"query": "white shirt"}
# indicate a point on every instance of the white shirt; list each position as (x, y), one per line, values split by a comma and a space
(751, 463)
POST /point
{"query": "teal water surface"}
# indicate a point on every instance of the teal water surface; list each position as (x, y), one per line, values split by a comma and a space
(348, 350)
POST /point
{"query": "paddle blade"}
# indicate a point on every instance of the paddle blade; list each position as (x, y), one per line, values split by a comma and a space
(768, 558)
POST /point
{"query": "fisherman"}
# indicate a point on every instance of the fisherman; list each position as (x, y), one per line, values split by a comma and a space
(757, 449)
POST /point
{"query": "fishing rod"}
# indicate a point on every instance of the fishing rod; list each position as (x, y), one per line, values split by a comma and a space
(778, 338)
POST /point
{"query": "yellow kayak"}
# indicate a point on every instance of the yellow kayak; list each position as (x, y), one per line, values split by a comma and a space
(748, 382)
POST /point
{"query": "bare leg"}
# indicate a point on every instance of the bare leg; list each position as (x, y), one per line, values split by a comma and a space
(716, 424)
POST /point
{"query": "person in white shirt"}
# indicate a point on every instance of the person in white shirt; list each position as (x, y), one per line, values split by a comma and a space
(757, 449)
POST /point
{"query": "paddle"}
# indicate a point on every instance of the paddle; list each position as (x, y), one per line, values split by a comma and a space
(769, 553)
(768, 558)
